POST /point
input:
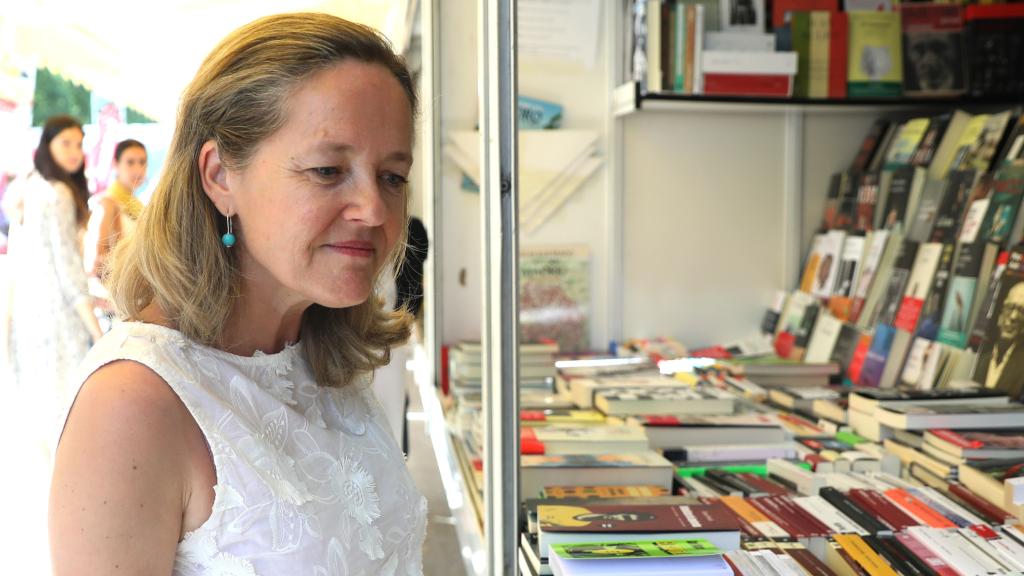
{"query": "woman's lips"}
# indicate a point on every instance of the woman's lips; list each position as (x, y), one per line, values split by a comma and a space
(353, 248)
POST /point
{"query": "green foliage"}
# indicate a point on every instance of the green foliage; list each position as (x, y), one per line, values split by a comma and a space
(133, 116)
(55, 94)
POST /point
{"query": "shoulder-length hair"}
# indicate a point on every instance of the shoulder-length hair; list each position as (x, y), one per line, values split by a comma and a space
(49, 169)
(237, 99)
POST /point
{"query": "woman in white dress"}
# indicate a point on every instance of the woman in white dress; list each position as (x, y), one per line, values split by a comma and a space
(228, 425)
(52, 324)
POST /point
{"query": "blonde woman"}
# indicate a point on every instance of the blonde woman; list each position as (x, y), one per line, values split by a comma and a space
(227, 427)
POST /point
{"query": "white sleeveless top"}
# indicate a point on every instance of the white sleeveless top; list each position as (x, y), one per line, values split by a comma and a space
(309, 479)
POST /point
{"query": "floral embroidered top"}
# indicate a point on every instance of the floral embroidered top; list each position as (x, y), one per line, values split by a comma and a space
(309, 479)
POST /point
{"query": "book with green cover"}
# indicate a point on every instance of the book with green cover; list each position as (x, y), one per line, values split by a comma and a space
(800, 25)
(636, 549)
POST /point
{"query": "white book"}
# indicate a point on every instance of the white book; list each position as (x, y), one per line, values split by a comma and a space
(941, 544)
(828, 269)
(732, 452)
(654, 46)
(926, 262)
(698, 51)
(1010, 552)
(838, 522)
(739, 42)
(980, 550)
(726, 62)
(823, 338)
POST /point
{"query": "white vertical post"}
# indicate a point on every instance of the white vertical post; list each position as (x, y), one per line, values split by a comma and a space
(792, 195)
(499, 212)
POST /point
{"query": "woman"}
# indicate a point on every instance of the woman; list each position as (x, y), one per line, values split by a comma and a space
(52, 324)
(227, 426)
(115, 212)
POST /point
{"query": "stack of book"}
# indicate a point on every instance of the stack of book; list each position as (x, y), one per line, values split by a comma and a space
(825, 49)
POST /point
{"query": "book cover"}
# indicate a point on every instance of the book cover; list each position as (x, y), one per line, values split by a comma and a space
(636, 549)
(933, 50)
(931, 310)
(878, 354)
(782, 9)
(895, 211)
(554, 296)
(1007, 189)
(867, 201)
(630, 519)
(800, 30)
(986, 308)
(918, 283)
(981, 140)
(873, 250)
(823, 339)
(743, 15)
(849, 265)
(995, 46)
(845, 346)
(932, 139)
(828, 268)
(603, 492)
(870, 145)
(1000, 364)
(959, 188)
(1012, 152)
(860, 353)
(905, 144)
(875, 59)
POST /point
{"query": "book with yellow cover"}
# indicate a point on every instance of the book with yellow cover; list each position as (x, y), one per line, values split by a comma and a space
(604, 492)
(862, 553)
(875, 64)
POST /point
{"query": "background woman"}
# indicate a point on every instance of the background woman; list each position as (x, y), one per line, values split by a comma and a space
(115, 212)
(52, 323)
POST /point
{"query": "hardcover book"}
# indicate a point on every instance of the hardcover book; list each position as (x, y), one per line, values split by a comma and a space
(876, 55)
(933, 50)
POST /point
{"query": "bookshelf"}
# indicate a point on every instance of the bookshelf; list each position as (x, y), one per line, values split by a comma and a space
(704, 207)
(629, 98)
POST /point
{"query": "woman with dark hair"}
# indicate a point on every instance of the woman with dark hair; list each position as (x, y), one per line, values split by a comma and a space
(52, 323)
(115, 211)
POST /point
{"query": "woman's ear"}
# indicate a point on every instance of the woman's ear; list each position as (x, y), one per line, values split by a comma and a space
(213, 173)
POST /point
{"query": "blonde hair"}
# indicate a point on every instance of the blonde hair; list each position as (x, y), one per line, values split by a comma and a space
(238, 98)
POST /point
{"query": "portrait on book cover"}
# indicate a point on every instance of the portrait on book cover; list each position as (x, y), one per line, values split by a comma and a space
(934, 63)
(742, 15)
(1001, 358)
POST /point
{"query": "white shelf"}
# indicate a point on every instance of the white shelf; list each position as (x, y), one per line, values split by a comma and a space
(456, 487)
(627, 99)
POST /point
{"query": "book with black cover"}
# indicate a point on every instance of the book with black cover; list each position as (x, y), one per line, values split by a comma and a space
(1000, 364)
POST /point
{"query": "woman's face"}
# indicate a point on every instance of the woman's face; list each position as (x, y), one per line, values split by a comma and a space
(322, 202)
(131, 168)
(66, 149)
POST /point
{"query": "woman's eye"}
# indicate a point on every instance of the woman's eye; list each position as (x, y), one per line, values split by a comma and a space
(395, 180)
(326, 172)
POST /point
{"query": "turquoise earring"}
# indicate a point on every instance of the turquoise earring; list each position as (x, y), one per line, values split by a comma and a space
(228, 239)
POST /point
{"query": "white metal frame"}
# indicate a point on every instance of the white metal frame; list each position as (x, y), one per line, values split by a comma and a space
(499, 217)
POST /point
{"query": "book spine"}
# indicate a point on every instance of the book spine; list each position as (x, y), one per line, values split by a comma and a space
(755, 517)
(838, 45)
(717, 84)
(852, 511)
(984, 507)
(810, 524)
(773, 512)
(897, 556)
(925, 555)
(917, 509)
(864, 555)
(883, 509)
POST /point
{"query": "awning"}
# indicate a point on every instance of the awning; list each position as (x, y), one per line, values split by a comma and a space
(143, 54)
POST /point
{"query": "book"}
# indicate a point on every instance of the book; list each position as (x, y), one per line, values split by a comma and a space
(877, 356)
(1012, 152)
(962, 304)
(693, 556)
(889, 301)
(670, 432)
(602, 492)
(730, 452)
(663, 400)
(560, 417)
(871, 143)
(904, 146)
(981, 141)
(986, 309)
(646, 468)
(931, 311)
(823, 338)
(876, 273)
(994, 45)
(931, 141)
(876, 56)
(560, 524)
(953, 416)
(582, 440)
(919, 283)
(868, 400)
(988, 479)
(977, 444)
(933, 50)
(1000, 364)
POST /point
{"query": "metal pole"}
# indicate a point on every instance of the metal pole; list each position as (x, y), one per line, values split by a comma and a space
(499, 211)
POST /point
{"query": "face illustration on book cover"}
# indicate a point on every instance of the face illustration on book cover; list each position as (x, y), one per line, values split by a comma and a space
(824, 270)
(935, 62)
(1001, 360)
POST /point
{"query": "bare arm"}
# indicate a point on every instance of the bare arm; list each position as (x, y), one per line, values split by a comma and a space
(99, 235)
(120, 484)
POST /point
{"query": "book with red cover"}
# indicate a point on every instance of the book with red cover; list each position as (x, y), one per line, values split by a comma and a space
(781, 7)
(636, 519)
(918, 509)
(882, 508)
(839, 40)
(860, 353)
(765, 85)
(775, 513)
(811, 524)
(985, 508)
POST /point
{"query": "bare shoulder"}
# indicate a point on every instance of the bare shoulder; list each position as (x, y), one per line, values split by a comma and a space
(121, 475)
